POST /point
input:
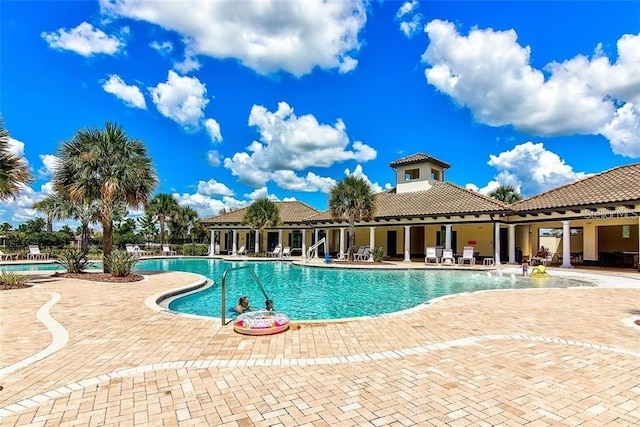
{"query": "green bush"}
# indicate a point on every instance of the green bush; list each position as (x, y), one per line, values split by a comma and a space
(12, 278)
(120, 263)
(195, 249)
(377, 254)
(73, 259)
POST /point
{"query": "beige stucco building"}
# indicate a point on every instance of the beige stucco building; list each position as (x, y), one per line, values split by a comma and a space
(601, 214)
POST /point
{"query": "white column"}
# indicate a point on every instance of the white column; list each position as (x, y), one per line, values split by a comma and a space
(304, 243)
(342, 241)
(407, 243)
(447, 236)
(326, 240)
(280, 237)
(496, 244)
(212, 243)
(234, 248)
(257, 241)
(512, 243)
(315, 231)
(566, 245)
(372, 237)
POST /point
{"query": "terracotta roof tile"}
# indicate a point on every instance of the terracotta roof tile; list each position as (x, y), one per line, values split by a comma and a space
(290, 212)
(418, 158)
(619, 184)
(442, 199)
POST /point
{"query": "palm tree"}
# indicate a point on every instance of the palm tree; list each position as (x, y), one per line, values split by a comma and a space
(148, 229)
(187, 217)
(105, 165)
(163, 206)
(506, 194)
(260, 214)
(52, 206)
(352, 198)
(14, 171)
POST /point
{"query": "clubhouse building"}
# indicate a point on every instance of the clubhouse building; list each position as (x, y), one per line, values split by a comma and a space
(593, 221)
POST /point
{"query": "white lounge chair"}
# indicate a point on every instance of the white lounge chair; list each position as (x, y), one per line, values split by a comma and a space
(166, 250)
(467, 255)
(275, 253)
(34, 253)
(286, 252)
(431, 256)
(135, 250)
(447, 257)
(364, 256)
(241, 251)
(8, 257)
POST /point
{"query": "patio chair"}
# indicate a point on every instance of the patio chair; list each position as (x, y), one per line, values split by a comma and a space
(431, 256)
(467, 255)
(166, 250)
(275, 253)
(447, 257)
(341, 257)
(364, 256)
(286, 252)
(8, 257)
(34, 253)
(241, 251)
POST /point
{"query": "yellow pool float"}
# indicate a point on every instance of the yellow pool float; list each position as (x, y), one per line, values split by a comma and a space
(539, 272)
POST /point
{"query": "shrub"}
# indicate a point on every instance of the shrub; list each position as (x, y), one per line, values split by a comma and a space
(120, 263)
(195, 249)
(74, 260)
(12, 278)
(377, 254)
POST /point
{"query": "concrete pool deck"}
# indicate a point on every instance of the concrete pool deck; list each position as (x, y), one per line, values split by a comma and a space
(514, 357)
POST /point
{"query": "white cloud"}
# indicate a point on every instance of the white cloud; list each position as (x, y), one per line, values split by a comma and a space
(49, 162)
(214, 188)
(411, 28)
(16, 148)
(358, 172)
(214, 158)
(84, 40)
(290, 143)
(207, 206)
(164, 48)
(266, 36)
(407, 8)
(490, 73)
(131, 95)
(181, 99)
(529, 168)
(189, 63)
(213, 129)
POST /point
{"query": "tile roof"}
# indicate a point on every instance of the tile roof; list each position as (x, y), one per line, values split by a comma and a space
(442, 199)
(619, 184)
(290, 212)
(418, 158)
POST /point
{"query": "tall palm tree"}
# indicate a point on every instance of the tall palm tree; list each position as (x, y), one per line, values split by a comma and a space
(163, 206)
(14, 171)
(260, 214)
(106, 165)
(187, 217)
(148, 229)
(52, 206)
(506, 194)
(353, 199)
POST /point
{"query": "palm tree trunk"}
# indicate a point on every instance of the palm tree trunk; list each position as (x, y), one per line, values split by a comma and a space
(107, 241)
(352, 240)
(84, 243)
(50, 222)
(161, 219)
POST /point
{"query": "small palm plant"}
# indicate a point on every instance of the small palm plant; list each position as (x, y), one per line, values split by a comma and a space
(120, 263)
(74, 260)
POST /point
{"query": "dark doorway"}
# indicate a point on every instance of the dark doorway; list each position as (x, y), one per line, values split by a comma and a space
(392, 237)
(441, 239)
(251, 241)
(272, 240)
(417, 241)
(504, 245)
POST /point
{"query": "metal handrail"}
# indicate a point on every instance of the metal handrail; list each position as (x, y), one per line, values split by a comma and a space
(315, 247)
(224, 284)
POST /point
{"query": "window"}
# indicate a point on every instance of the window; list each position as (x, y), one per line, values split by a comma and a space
(435, 174)
(411, 174)
(626, 231)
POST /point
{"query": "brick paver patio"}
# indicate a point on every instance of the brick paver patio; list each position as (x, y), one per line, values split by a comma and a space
(516, 357)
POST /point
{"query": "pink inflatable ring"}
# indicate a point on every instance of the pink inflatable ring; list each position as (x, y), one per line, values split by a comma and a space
(261, 322)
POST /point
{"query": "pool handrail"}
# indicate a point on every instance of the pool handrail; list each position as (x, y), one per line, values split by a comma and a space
(224, 284)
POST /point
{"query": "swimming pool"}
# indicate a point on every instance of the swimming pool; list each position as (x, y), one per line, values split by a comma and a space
(42, 266)
(307, 293)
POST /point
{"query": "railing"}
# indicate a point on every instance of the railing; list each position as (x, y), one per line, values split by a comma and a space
(315, 248)
(224, 286)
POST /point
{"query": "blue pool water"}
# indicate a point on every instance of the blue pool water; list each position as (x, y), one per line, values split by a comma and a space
(307, 293)
(45, 266)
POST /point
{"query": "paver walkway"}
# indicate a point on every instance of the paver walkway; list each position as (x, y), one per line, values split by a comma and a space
(516, 357)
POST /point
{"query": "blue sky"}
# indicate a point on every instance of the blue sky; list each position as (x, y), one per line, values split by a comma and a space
(237, 100)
